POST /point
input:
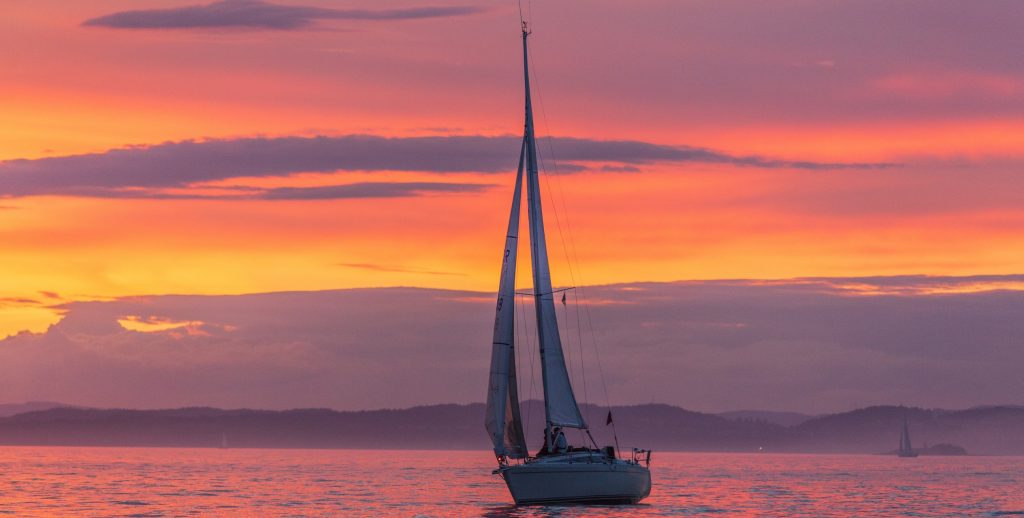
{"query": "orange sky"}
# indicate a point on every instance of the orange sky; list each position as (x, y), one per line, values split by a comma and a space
(952, 125)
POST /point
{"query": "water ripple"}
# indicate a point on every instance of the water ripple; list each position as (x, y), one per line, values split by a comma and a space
(188, 482)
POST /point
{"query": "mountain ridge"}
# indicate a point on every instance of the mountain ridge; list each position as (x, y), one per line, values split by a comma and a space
(992, 430)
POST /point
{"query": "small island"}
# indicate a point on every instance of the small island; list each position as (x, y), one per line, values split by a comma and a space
(943, 449)
(937, 450)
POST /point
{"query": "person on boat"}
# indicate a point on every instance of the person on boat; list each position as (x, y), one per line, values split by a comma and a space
(561, 445)
(544, 447)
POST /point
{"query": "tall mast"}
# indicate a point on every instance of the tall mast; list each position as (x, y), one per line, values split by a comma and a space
(531, 175)
(560, 407)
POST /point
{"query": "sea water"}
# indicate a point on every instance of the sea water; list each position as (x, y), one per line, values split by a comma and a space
(64, 481)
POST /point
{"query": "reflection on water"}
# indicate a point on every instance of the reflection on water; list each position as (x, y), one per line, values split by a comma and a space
(44, 481)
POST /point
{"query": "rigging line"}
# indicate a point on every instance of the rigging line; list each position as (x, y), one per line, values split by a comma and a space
(561, 234)
(565, 249)
(552, 292)
(568, 350)
(579, 341)
(529, 343)
(568, 337)
(600, 369)
(521, 328)
(519, 360)
(543, 166)
(579, 345)
(547, 185)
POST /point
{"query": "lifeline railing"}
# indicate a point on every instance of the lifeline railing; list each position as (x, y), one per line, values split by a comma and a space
(641, 455)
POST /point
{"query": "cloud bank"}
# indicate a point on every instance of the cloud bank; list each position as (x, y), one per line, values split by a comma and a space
(256, 14)
(810, 345)
(132, 172)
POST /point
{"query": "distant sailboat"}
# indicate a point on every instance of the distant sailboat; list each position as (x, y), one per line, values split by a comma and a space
(559, 473)
(906, 450)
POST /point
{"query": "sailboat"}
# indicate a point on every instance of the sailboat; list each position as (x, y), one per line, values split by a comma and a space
(906, 450)
(559, 472)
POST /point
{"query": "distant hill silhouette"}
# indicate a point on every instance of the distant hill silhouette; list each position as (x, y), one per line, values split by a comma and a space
(10, 409)
(780, 418)
(937, 450)
(983, 430)
(944, 450)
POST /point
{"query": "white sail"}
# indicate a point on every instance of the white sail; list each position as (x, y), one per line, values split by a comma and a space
(502, 418)
(559, 401)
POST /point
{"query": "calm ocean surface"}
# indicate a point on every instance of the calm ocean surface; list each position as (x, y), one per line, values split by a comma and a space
(45, 481)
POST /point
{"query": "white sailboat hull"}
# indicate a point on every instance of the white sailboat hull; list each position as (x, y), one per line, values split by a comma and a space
(572, 479)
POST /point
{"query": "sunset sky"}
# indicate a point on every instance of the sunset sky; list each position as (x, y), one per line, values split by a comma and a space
(156, 147)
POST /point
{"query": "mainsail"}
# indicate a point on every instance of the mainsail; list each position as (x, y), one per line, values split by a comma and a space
(559, 401)
(905, 439)
(502, 419)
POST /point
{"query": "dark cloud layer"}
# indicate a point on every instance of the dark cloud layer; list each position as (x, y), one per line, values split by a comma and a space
(369, 190)
(321, 192)
(128, 172)
(256, 14)
(810, 345)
